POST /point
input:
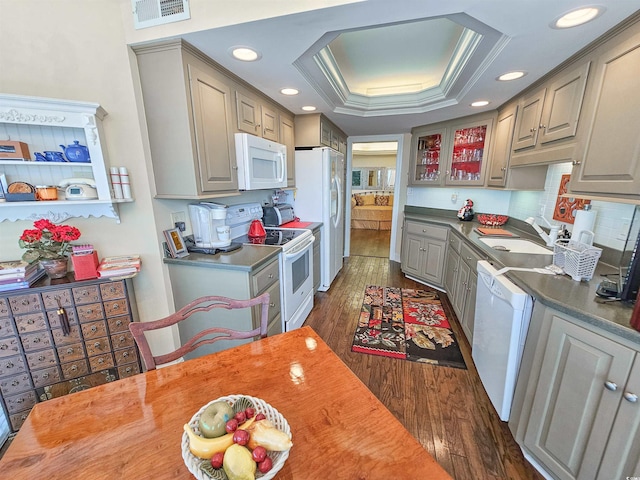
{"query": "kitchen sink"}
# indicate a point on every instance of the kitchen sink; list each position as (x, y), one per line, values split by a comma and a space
(516, 245)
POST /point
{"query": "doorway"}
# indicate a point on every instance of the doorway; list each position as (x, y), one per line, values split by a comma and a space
(373, 164)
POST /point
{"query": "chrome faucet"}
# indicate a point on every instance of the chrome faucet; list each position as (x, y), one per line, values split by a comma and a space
(549, 239)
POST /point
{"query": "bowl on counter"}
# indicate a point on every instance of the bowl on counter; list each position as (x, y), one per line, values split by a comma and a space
(492, 219)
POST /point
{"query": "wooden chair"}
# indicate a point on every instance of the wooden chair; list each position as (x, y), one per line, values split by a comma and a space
(202, 304)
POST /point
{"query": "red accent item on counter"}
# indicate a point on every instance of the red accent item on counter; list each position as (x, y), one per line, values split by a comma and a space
(256, 230)
(635, 316)
(295, 224)
(85, 266)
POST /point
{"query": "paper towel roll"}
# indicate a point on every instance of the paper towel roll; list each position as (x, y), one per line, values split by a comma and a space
(585, 220)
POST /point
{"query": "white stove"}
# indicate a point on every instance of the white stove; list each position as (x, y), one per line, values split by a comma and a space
(296, 261)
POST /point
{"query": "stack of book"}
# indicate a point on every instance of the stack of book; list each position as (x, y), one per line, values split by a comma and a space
(120, 266)
(16, 274)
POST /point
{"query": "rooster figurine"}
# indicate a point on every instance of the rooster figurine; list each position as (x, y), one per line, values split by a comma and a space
(466, 212)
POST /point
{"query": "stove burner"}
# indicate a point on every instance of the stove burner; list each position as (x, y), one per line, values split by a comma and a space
(274, 237)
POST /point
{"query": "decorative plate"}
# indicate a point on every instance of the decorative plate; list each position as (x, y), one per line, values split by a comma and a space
(492, 219)
(193, 463)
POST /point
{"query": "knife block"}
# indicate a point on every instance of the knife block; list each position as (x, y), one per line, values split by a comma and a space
(85, 266)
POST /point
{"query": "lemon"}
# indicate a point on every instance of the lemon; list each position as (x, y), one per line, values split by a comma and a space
(238, 463)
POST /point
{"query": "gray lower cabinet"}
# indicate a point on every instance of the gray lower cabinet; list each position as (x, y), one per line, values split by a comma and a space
(424, 249)
(188, 107)
(463, 284)
(608, 156)
(193, 281)
(584, 417)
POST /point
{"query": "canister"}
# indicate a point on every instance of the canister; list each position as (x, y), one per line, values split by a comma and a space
(46, 192)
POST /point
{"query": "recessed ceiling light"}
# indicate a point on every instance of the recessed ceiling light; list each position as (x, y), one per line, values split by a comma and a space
(480, 103)
(577, 17)
(245, 54)
(289, 91)
(308, 108)
(511, 76)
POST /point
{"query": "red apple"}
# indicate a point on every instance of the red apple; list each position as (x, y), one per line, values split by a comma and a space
(249, 412)
(240, 417)
(265, 465)
(260, 416)
(259, 454)
(241, 437)
(216, 460)
(231, 426)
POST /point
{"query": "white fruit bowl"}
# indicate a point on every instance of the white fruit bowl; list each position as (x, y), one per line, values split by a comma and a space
(278, 458)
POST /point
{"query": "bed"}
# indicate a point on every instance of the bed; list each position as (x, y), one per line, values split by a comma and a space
(371, 211)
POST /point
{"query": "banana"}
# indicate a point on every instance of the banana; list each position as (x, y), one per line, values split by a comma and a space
(207, 447)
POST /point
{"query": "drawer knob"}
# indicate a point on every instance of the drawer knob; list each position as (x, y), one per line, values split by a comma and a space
(25, 302)
(15, 383)
(69, 350)
(128, 370)
(4, 346)
(576, 162)
(609, 385)
(271, 275)
(10, 365)
(45, 375)
(116, 306)
(272, 304)
(41, 358)
(74, 368)
(96, 345)
(101, 360)
(630, 397)
(119, 323)
(31, 321)
(94, 329)
(125, 354)
(37, 340)
(20, 400)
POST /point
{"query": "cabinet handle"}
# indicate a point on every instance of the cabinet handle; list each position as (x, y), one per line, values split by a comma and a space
(272, 305)
(630, 397)
(576, 162)
(543, 126)
(503, 169)
(15, 383)
(31, 321)
(469, 258)
(609, 385)
(25, 302)
(41, 358)
(270, 276)
(424, 230)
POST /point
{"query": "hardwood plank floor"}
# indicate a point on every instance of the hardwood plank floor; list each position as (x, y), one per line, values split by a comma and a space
(370, 243)
(446, 409)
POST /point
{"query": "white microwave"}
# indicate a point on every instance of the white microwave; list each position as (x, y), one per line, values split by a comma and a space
(262, 164)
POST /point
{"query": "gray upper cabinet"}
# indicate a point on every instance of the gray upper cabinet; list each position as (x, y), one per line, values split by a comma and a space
(608, 155)
(315, 130)
(287, 138)
(547, 116)
(500, 173)
(188, 108)
(256, 117)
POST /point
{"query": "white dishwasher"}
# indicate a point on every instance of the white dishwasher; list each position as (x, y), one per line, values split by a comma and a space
(503, 312)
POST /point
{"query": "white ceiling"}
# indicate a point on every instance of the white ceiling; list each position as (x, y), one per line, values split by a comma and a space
(515, 35)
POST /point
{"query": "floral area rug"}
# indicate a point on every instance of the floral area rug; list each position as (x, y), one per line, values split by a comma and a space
(408, 324)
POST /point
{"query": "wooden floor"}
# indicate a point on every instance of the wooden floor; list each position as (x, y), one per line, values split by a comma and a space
(446, 409)
(370, 243)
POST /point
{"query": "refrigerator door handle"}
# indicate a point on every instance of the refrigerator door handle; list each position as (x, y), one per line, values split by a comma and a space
(338, 186)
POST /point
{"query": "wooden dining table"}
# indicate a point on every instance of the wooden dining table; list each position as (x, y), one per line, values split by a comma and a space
(132, 428)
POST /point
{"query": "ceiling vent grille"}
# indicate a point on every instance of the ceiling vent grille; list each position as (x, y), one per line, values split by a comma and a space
(148, 13)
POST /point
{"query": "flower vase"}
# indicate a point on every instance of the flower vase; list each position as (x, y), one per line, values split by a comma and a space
(56, 267)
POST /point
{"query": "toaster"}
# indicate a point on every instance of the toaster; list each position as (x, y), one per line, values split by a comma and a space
(277, 215)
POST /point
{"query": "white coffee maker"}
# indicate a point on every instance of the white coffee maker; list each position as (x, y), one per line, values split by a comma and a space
(209, 224)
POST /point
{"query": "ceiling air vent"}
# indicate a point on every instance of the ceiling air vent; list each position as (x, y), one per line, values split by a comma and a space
(148, 13)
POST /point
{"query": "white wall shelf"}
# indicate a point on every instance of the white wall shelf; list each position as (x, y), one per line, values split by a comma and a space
(46, 124)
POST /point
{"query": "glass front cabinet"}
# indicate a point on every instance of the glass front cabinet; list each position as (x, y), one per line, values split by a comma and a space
(451, 153)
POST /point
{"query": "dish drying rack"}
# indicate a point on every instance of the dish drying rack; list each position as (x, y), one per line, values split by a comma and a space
(577, 259)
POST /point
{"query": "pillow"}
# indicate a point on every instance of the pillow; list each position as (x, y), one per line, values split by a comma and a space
(368, 200)
(353, 202)
(382, 200)
(359, 200)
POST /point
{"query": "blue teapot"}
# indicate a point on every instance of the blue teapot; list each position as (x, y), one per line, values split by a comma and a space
(76, 152)
(50, 156)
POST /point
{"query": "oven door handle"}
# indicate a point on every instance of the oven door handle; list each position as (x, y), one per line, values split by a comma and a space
(294, 253)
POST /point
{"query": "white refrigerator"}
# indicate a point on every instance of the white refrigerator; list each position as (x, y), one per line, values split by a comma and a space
(320, 198)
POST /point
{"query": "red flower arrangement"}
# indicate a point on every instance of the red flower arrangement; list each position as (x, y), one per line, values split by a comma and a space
(47, 241)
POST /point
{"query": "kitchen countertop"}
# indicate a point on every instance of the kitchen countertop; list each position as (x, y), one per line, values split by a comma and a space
(247, 258)
(560, 292)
